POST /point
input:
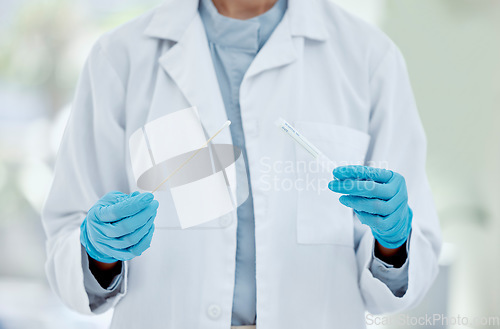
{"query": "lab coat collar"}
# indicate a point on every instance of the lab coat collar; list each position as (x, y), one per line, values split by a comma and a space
(189, 64)
(172, 18)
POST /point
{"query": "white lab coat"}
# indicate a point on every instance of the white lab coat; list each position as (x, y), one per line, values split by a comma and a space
(342, 83)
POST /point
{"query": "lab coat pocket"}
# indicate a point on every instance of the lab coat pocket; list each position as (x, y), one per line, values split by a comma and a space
(321, 218)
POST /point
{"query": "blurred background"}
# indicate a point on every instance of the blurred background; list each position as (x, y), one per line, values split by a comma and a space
(452, 48)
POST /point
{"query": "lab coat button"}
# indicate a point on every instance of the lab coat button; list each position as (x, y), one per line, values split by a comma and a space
(252, 127)
(256, 125)
(214, 311)
(225, 221)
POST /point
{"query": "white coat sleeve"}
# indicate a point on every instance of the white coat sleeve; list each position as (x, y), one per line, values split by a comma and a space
(100, 299)
(91, 162)
(398, 142)
(395, 278)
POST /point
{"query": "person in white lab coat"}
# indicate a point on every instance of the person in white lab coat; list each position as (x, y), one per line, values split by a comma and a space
(302, 259)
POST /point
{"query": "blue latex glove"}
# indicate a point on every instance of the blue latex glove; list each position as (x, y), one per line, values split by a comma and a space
(119, 226)
(379, 199)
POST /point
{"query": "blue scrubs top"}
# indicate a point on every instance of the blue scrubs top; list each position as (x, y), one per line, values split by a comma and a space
(233, 45)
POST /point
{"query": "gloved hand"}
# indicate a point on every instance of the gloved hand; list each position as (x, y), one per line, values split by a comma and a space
(379, 199)
(119, 226)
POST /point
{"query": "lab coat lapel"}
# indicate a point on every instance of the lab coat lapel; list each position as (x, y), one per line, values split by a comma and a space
(189, 64)
(278, 51)
(302, 19)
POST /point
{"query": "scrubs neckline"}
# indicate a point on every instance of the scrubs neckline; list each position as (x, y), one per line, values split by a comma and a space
(247, 34)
